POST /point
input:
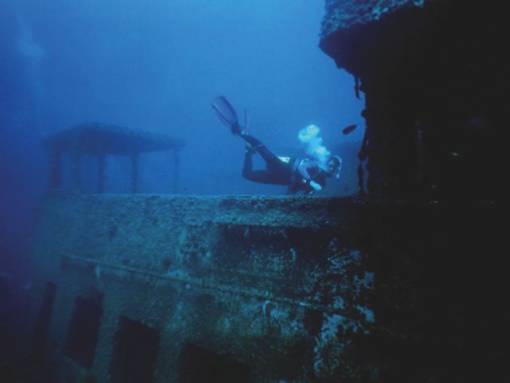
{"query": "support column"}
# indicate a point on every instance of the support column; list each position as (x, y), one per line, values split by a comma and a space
(101, 166)
(175, 173)
(55, 162)
(76, 170)
(134, 173)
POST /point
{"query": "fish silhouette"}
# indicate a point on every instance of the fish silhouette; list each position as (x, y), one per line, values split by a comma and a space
(349, 129)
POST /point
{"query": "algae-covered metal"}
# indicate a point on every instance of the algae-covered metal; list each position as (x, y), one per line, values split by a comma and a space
(272, 287)
(345, 14)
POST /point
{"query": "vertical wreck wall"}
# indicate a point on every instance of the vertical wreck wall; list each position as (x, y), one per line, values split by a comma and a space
(434, 77)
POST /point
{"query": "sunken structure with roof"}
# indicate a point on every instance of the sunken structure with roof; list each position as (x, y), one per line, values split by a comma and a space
(101, 140)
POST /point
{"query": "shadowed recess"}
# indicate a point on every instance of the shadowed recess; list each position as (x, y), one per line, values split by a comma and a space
(83, 330)
(134, 352)
(200, 365)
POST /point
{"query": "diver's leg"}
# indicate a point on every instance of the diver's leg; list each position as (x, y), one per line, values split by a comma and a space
(262, 176)
(248, 163)
(260, 148)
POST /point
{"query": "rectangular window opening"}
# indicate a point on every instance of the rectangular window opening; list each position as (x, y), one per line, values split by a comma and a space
(197, 365)
(83, 330)
(135, 351)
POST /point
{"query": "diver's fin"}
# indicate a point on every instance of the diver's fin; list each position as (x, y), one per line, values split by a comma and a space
(246, 119)
(226, 113)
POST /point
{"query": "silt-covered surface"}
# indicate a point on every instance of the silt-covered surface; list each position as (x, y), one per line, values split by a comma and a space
(267, 289)
(269, 284)
(342, 15)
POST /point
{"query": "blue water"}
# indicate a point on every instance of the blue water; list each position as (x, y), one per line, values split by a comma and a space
(156, 66)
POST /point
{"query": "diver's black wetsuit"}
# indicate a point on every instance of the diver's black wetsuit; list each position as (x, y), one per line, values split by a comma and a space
(296, 173)
(302, 174)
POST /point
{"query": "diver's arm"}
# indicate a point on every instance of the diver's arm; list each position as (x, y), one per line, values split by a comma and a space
(305, 176)
(310, 184)
(303, 170)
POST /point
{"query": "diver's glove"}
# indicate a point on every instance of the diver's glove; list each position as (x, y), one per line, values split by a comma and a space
(315, 186)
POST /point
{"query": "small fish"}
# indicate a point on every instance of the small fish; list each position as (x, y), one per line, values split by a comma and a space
(349, 129)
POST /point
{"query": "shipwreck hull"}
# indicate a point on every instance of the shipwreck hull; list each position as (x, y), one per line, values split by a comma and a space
(434, 78)
(249, 289)
(175, 289)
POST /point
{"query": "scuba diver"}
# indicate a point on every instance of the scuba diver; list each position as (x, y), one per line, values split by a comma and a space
(307, 174)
